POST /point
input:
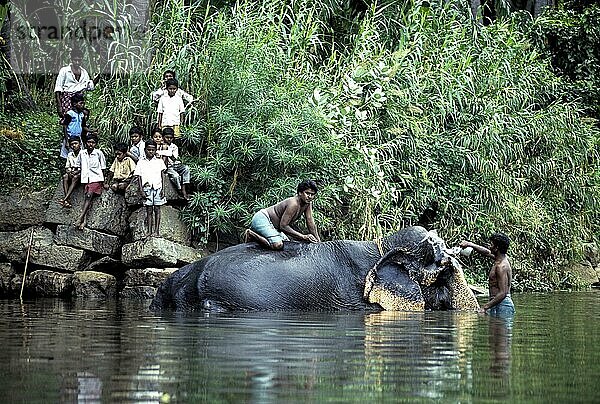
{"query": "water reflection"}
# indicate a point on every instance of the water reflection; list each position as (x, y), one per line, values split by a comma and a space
(427, 354)
(500, 336)
(59, 351)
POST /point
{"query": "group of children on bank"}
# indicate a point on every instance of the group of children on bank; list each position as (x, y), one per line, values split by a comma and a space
(141, 161)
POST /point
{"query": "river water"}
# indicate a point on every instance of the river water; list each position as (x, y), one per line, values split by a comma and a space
(60, 351)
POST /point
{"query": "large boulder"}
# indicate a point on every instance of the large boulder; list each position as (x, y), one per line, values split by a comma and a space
(14, 246)
(147, 276)
(158, 252)
(90, 284)
(585, 273)
(87, 239)
(108, 213)
(48, 283)
(171, 226)
(22, 209)
(138, 292)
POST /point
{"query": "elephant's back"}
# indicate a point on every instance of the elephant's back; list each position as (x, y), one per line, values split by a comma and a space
(322, 276)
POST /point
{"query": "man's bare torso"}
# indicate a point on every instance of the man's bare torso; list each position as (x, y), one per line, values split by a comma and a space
(503, 265)
(292, 205)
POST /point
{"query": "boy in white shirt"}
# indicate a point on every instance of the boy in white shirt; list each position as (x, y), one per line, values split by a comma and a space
(178, 173)
(170, 108)
(91, 162)
(71, 176)
(149, 173)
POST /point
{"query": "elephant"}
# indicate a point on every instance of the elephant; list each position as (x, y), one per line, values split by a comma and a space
(410, 270)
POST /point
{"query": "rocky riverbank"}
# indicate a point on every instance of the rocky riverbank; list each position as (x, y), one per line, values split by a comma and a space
(109, 258)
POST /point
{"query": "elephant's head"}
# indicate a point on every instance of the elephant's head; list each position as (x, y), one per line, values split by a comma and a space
(417, 273)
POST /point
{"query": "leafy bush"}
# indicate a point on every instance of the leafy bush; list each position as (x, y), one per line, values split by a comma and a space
(29, 152)
(571, 38)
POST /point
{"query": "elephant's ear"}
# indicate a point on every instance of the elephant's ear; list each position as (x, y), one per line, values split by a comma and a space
(461, 295)
(393, 289)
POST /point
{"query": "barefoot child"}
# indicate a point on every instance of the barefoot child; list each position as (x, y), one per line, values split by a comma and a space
(70, 178)
(178, 173)
(91, 162)
(120, 172)
(149, 174)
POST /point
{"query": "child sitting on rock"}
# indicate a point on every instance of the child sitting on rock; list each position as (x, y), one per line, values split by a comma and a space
(149, 174)
(70, 179)
(136, 146)
(120, 172)
(178, 173)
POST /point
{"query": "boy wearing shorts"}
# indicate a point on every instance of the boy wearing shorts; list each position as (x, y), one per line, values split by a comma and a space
(149, 173)
(91, 163)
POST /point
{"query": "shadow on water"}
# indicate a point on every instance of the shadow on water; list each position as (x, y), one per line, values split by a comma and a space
(58, 351)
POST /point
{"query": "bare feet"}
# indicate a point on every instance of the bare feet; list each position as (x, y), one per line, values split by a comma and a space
(80, 224)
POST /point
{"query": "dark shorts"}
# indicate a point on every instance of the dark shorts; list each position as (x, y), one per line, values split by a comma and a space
(94, 188)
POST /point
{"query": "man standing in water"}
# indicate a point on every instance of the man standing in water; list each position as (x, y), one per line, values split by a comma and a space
(271, 226)
(500, 277)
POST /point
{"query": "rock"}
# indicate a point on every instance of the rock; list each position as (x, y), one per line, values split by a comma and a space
(107, 265)
(147, 276)
(14, 246)
(171, 226)
(21, 209)
(158, 252)
(87, 239)
(592, 253)
(585, 273)
(49, 283)
(133, 196)
(7, 273)
(138, 292)
(91, 284)
(108, 213)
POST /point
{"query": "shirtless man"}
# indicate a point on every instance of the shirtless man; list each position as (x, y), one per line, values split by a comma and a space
(271, 226)
(500, 276)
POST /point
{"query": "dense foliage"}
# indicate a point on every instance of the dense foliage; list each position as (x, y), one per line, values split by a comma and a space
(571, 38)
(398, 110)
(29, 155)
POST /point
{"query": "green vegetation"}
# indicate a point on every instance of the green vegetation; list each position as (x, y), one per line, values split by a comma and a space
(395, 110)
(29, 151)
(571, 38)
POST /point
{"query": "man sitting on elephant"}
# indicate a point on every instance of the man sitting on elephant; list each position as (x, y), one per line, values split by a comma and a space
(271, 226)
